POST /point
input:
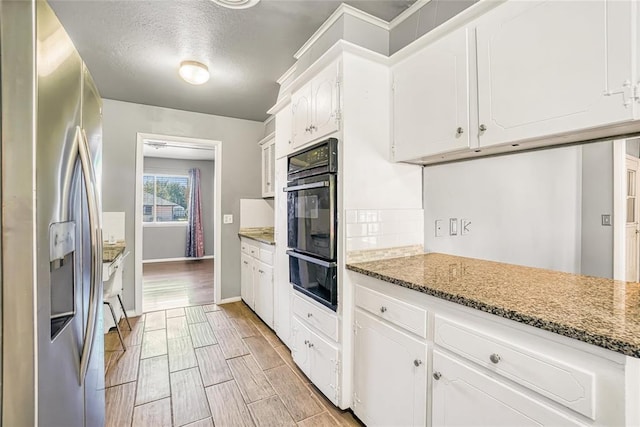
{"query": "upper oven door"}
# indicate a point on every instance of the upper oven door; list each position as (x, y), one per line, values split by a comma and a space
(311, 212)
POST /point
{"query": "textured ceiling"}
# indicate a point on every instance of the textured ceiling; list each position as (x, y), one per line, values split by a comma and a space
(133, 48)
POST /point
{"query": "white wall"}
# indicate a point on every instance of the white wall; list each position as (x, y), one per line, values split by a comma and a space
(524, 208)
(256, 213)
(240, 176)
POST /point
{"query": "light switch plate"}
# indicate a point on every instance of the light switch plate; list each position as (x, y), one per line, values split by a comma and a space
(453, 226)
(439, 228)
(227, 219)
(465, 226)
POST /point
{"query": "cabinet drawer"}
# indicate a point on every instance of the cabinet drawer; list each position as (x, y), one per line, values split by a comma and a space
(406, 316)
(244, 247)
(315, 316)
(567, 383)
(253, 250)
(266, 255)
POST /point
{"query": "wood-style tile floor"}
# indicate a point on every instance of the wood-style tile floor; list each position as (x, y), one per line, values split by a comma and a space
(209, 365)
(167, 285)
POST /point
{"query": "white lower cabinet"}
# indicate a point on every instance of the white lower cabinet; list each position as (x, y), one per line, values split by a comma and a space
(246, 280)
(256, 278)
(317, 357)
(390, 374)
(263, 282)
(463, 395)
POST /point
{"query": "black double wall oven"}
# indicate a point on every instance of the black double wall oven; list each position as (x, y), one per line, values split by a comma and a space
(312, 221)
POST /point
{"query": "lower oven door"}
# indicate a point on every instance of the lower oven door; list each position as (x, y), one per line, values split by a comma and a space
(311, 216)
(315, 278)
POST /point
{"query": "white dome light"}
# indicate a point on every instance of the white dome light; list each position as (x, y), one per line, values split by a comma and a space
(194, 72)
(237, 4)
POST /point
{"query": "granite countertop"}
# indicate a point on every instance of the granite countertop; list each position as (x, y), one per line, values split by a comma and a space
(262, 234)
(110, 251)
(602, 312)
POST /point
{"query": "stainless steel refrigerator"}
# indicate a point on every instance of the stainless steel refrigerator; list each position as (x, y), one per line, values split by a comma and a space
(51, 248)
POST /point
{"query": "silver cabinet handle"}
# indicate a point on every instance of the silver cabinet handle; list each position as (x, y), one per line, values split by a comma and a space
(309, 314)
(260, 271)
(312, 128)
(96, 248)
(289, 141)
(495, 358)
(310, 345)
(307, 130)
(437, 375)
(306, 342)
(459, 131)
(383, 309)
(245, 262)
(417, 362)
(482, 128)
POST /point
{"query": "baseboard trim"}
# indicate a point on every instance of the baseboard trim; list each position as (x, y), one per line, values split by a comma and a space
(152, 261)
(132, 313)
(229, 300)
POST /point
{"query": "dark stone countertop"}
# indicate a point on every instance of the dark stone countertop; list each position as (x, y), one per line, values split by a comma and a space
(601, 312)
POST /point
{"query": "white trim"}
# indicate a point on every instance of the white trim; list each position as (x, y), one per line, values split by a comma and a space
(154, 261)
(343, 9)
(133, 313)
(280, 104)
(619, 200)
(283, 78)
(267, 138)
(268, 120)
(217, 235)
(407, 13)
(229, 300)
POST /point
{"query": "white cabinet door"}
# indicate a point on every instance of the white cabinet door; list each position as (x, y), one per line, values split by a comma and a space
(325, 102)
(464, 396)
(548, 67)
(431, 100)
(390, 374)
(268, 169)
(283, 131)
(301, 116)
(246, 279)
(264, 292)
(300, 335)
(324, 365)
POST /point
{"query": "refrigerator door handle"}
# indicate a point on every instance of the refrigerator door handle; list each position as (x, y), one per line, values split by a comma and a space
(96, 248)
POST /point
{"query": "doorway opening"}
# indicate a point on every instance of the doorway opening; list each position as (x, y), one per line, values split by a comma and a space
(178, 182)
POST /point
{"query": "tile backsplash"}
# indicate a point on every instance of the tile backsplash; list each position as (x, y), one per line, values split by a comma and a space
(380, 229)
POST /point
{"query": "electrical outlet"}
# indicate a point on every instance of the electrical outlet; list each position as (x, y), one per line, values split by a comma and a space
(453, 226)
(606, 219)
(227, 219)
(465, 226)
(439, 228)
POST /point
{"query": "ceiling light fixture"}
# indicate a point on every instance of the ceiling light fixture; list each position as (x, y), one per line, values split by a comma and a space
(237, 4)
(194, 72)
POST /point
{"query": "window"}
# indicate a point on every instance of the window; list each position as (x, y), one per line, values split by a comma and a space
(166, 198)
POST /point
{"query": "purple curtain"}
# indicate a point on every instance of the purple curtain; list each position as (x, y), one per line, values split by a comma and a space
(195, 234)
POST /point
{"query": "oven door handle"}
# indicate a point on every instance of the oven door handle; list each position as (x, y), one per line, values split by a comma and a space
(307, 186)
(312, 260)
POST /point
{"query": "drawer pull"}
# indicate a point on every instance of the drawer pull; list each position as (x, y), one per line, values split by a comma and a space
(417, 362)
(245, 262)
(310, 345)
(495, 358)
(306, 342)
(260, 271)
(309, 315)
(437, 375)
(383, 309)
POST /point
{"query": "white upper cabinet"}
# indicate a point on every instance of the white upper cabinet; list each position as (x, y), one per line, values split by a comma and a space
(431, 99)
(301, 115)
(268, 148)
(523, 71)
(315, 107)
(549, 67)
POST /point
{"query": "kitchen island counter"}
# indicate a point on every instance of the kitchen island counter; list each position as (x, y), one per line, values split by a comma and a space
(601, 312)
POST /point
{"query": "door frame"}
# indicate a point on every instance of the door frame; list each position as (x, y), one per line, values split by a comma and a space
(217, 202)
